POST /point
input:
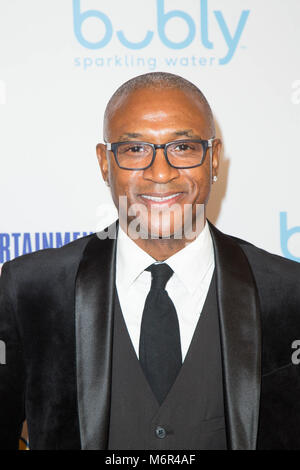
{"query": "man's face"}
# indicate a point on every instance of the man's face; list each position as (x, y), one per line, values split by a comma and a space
(159, 116)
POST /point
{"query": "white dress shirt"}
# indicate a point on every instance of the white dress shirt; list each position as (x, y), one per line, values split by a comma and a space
(193, 268)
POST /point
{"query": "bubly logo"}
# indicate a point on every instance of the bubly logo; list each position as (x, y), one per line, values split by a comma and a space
(230, 36)
(291, 234)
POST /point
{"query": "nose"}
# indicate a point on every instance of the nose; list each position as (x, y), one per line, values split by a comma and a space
(160, 171)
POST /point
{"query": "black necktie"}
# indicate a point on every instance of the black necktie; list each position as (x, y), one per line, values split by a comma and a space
(159, 348)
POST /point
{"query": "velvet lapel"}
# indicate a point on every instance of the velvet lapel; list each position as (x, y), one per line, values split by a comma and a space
(94, 329)
(240, 340)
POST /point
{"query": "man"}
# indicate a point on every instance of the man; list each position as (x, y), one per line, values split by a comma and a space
(163, 334)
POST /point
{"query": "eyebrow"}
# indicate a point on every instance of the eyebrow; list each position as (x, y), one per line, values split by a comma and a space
(186, 133)
(129, 135)
(179, 133)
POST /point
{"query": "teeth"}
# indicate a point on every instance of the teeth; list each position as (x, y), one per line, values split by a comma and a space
(159, 199)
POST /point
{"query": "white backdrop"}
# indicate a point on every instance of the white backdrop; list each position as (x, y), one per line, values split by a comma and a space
(60, 61)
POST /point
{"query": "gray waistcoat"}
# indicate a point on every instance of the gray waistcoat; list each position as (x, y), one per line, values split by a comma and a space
(192, 415)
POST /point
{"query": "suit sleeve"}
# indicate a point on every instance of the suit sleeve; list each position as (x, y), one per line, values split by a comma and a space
(12, 372)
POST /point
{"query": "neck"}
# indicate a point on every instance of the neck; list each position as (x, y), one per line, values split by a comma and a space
(163, 248)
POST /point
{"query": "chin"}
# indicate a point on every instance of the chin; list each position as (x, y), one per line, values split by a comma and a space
(157, 225)
(165, 225)
(166, 232)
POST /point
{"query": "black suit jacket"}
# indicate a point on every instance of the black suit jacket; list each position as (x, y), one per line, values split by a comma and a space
(56, 318)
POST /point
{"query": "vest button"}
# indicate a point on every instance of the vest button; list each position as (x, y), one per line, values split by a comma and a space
(160, 432)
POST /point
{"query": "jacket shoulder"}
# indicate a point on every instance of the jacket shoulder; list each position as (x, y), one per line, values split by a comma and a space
(265, 260)
(258, 258)
(274, 275)
(48, 262)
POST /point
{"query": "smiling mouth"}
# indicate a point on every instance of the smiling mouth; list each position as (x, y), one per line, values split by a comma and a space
(160, 198)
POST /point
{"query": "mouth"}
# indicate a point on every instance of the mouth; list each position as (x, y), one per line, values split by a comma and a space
(159, 199)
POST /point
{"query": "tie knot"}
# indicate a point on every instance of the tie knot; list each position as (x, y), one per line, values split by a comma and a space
(161, 273)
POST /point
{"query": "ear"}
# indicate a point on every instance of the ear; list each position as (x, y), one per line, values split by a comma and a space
(217, 147)
(102, 160)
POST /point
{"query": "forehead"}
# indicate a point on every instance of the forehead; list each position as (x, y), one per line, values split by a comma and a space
(157, 111)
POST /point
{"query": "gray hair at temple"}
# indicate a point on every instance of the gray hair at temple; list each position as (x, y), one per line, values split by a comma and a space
(159, 80)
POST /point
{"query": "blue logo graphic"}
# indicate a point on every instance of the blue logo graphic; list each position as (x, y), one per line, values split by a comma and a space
(231, 38)
(285, 235)
(17, 244)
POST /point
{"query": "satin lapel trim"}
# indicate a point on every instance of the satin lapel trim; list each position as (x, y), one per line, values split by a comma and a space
(240, 328)
(94, 304)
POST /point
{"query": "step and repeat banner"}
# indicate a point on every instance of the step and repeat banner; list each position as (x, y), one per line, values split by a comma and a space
(61, 60)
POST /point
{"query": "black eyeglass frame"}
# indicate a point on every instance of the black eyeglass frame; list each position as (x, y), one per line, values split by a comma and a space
(113, 146)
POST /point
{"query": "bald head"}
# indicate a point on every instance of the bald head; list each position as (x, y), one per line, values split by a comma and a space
(157, 81)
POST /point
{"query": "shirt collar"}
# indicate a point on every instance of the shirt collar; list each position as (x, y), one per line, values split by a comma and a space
(190, 264)
(131, 259)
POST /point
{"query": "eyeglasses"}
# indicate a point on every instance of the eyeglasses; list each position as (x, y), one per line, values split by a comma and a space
(179, 154)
